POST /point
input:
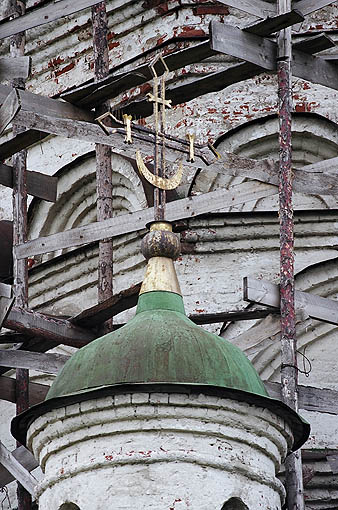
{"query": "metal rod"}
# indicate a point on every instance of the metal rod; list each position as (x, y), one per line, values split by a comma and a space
(289, 370)
(20, 269)
(104, 183)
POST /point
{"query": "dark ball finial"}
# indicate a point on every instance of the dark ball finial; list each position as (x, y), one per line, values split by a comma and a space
(160, 242)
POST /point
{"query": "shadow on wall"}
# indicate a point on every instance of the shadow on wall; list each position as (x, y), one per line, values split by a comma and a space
(234, 504)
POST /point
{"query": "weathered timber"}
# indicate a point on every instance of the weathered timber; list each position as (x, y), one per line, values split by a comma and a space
(275, 23)
(262, 52)
(43, 15)
(289, 373)
(308, 6)
(314, 44)
(321, 400)
(93, 94)
(230, 164)
(179, 209)
(21, 141)
(19, 67)
(5, 290)
(104, 182)
(20, 473)
(26, 459)
(47, 363)
(9, 109)
(241, 44)
(41, 104)
(38, 184)
(257, 8)
(5, 307)
(237, 315)
(98, 314)
(50, 328)
(266, 293)
(37, 392)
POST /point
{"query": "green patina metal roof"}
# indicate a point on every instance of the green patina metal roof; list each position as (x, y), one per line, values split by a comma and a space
(159, 345)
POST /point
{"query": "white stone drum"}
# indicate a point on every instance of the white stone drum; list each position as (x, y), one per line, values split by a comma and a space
(160, 451)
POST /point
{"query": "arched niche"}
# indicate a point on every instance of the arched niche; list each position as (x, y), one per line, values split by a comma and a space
(314, 139)
(234, 504)
(69, 506)
(76, 198)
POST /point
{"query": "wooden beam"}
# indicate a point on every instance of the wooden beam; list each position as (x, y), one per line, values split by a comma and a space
(5, 307)
(5, 290)
(98, 314)
(266, 293)
(275, 23)
(315, 44)
(50, 328)
(309, 6)
(26, 459)
(39, 185)
(43, 15)
(257, 8)
(19, 67)
(262, 52)
(179, 209)
(41, 104)
(47, 363)
(9, 109)
(37, 392)
(321, 400)
(20, 473)
(94, 94)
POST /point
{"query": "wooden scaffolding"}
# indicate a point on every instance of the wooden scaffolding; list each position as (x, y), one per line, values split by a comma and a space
(263, 46)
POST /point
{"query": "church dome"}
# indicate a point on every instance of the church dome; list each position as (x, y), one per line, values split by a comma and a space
(159, 345)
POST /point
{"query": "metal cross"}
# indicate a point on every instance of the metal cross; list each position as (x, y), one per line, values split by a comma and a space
(158, 179)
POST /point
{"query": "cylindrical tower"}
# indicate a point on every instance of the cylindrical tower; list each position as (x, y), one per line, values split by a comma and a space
(160, 414)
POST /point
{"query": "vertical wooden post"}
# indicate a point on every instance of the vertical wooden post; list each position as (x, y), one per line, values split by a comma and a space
(104, 185)
(289, 370)
(20, 269)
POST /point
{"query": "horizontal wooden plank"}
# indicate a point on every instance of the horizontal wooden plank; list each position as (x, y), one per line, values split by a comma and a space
(321, 400)
(37, 392)
(47, 363)
(275, 23)
(315, 44)
(41, 104)
(180, 209)
(241, 44)
(93, 94)
(39, 185)
(18, 67)
(21, 141)
(257, 8)
(236, 315)
(100, 313)
(9, 109)
(43, 15)
(211, 83)
(26, 459)
(309, 6)
(315, 69)
(230, 164)
(262, 52)
(49, 328)
(5, 290)
(266, 293)
(20, 473)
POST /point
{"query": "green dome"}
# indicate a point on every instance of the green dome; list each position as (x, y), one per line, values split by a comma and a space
(159, 345)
